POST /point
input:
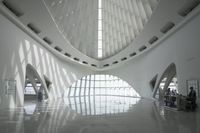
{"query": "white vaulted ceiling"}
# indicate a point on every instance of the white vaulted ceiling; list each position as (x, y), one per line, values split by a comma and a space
(77, 21)
(122, 22)
(70, 29)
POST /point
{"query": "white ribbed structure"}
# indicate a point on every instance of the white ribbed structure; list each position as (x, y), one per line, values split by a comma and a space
(77, 21)
(123, 21)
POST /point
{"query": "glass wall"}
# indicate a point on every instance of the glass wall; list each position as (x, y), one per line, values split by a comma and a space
(173, 84)
(100, 85)
(29, 90)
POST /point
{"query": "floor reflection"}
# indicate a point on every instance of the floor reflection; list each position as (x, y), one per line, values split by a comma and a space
(100, 105)
(29, 107)
(109, 115)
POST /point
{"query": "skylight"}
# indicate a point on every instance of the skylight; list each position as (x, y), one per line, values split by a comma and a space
(100, 52)
(104, 29)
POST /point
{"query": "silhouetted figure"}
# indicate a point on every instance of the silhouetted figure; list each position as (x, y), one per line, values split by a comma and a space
(168, 93)
(192, 98)
(40, 96)
(173, 98)
(167, 97)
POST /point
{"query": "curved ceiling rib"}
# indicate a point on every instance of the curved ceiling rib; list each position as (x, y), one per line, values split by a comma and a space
(129, 28)
(77, 21)
(122, 22)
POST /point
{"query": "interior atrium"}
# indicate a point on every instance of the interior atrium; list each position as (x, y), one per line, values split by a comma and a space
(104, 66)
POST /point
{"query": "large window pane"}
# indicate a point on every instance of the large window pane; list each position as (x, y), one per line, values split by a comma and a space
(102, 85)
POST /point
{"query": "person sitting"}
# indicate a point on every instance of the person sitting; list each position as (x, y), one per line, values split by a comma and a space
(192, 98)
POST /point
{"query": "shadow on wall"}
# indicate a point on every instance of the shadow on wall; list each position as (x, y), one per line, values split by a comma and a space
(41, 62)
(19, 51)
(169, 74)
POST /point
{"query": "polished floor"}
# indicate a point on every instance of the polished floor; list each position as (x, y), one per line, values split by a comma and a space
(106, 114)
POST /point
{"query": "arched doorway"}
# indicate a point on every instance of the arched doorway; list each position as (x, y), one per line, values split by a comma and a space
(168, 83)
(34, 88)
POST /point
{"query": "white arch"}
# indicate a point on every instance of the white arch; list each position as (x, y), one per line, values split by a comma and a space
(32, 73)
(169, 73)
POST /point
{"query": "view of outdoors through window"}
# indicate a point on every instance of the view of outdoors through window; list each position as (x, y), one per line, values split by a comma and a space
(173, 85)
(29, 90)
(100, 95)
(100, 85)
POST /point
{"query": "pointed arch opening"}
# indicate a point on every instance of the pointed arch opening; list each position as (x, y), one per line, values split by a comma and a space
(34, 89)
(167, 85)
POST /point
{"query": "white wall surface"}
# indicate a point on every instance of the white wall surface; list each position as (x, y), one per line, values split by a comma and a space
(181, 48)
(17, 50)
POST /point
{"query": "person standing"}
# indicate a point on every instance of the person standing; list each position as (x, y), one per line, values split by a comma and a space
(192, 97)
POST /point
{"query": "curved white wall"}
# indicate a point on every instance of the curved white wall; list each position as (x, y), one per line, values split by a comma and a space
(181, 48)
(17, 50)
